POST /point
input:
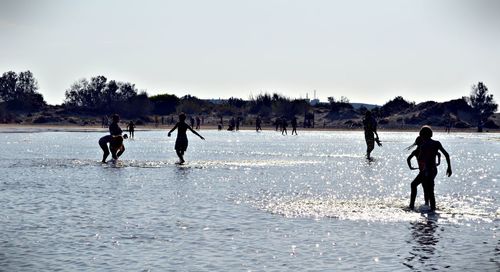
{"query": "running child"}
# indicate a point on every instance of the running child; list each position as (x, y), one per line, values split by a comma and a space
(181, 143)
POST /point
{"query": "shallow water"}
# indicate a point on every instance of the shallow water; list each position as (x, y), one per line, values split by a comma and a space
(244, 201)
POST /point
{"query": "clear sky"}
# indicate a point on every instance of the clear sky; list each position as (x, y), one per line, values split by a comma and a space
(369, 51)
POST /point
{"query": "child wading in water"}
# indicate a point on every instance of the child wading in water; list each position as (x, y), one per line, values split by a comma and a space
(115, 140)
(429, 149)
(181, 143)
(419, 178)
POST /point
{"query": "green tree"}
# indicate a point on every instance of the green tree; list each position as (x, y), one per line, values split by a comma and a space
(102, 96)
(482, 103)
(164, 103)
(19, 92)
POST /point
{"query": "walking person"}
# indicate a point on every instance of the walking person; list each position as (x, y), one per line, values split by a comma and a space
(258, 122)
(371, 135)
(181, 143)
(427, 155)
(284, 124)
(420, 177)
(294, 125)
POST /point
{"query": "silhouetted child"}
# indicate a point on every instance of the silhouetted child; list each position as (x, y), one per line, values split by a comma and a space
(370, 127)
(116, 146)
(181, 143)
(429, 149)
(258, 122)
(198, 121)
(115, 140)
(103, 143)
(420, 177)
(131, 129)
(284, 124)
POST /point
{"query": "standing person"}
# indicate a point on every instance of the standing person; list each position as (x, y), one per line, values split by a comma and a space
(131, 128)
(181, 143)
(191, 121)
(428, 151)
(114, 128)
(370, 127)
(232, 124)
(156, 121)
(198, 121)
(258, 122)
(294, 125)
(238, 120)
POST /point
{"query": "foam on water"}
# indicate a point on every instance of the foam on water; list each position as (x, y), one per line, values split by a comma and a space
(380, 209)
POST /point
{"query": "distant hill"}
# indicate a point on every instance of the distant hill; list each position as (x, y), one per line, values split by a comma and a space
(359, 105)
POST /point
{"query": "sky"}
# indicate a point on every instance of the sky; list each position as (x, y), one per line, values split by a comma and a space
(368, 51)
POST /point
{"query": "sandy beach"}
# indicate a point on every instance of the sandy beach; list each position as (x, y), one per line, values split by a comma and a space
(31, 128)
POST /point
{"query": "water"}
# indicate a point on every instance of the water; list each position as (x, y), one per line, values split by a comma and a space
(245, 201)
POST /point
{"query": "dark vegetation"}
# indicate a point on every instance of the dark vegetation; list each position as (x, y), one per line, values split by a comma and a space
(87, 100)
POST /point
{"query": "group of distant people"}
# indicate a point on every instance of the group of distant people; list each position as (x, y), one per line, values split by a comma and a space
(427, 151)
(282, 124)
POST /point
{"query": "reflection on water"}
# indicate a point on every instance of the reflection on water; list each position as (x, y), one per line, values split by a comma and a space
(243, 201)
(423, 243)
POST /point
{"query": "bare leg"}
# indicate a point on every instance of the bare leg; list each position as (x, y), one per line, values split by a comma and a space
(120, 151)
(105, 149)
(414, 185)
(180, 154)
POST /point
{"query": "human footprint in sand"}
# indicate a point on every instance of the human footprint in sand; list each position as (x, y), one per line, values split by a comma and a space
(181, 143)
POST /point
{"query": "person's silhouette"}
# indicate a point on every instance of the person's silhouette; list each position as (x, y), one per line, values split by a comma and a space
(429, 149)
(420, 177)
(181, 143)
(371, 135)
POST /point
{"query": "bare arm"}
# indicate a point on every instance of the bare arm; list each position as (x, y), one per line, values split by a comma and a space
(447, 156)
(172, 130)
(408, 160)
(193, 131)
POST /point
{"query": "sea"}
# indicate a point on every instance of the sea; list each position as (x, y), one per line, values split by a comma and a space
(244, 201)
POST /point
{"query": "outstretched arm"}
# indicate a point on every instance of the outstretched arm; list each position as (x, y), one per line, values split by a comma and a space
(193, 131)
(447, 156)
(172, 130)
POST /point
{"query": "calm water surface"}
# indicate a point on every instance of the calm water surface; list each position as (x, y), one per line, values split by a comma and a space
(245, 201)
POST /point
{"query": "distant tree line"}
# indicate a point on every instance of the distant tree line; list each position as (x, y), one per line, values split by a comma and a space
(100, 96)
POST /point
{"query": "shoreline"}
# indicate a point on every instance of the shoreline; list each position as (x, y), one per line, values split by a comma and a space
(32, 128)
